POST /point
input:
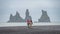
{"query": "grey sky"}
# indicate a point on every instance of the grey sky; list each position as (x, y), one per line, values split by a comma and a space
(35, 6)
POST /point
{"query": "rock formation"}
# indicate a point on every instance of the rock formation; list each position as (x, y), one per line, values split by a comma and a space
(44, 17)
(27, 15)
(16, 18)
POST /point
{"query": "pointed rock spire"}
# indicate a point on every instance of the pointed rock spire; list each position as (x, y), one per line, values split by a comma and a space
(17, 14)
(27, 15)
(44, 17)
(11, 18)
(27, 12)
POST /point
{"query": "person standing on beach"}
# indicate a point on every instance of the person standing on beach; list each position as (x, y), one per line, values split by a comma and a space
(29, 23)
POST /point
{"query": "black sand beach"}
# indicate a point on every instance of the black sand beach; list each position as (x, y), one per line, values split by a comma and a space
(52, 29)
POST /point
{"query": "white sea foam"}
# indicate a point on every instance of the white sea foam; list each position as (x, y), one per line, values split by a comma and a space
(25, 24)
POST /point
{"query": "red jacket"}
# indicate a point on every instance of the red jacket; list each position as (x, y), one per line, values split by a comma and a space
(29, 21)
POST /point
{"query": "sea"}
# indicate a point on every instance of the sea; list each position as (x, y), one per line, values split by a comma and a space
(6, 24)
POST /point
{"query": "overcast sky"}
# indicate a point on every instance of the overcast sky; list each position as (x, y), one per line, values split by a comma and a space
(8, 7)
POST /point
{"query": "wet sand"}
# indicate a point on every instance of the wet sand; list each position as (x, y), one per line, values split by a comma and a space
(52, 29)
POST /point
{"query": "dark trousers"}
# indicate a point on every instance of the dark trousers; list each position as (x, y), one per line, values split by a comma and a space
(29, 25)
